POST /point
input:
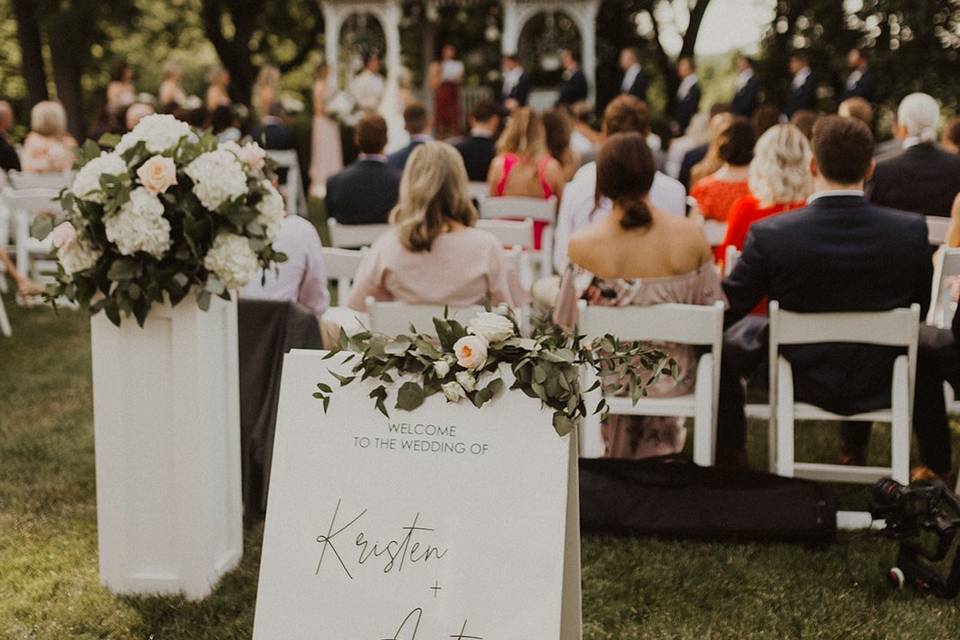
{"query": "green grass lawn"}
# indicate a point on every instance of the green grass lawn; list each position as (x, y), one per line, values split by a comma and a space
(633, 589)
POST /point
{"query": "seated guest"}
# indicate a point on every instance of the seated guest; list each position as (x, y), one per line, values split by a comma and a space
(700, 162)
(480, 147)
(580, 206)
(951, 136)
(524, 168)
(135, 113)
(366, 191)
(273, 132)
(584, 139)
(764, 118)
(718, 191)
(804, 119)
(27, 289)
(922, 178)
(696, 135)
(829, 257)
(639, 255)
(434, 255)
(225, 125)
(779, 181)
(301, 278)
(9, 160)
(559, 127)
(856, 108)
(48, 147)
(417, 124)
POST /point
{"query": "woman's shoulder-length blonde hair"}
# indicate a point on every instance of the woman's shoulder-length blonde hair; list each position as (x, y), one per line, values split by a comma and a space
(780, 169)
(49, 119)
(524, 134)
(434, 192)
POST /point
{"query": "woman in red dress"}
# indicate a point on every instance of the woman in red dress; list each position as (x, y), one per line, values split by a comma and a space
(446, 77)
(779, 179)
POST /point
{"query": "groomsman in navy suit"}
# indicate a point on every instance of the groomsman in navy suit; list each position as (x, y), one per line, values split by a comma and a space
(516, 85)
(634, 80)
(574, 87)
(802, 92)
(859, 83)
(688, 96)
(746, 88)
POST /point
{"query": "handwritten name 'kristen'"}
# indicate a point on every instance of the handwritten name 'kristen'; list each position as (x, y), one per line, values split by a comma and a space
(393, 553)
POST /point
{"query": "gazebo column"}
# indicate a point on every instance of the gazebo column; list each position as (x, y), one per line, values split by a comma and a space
(390, 22)
(587, 23)
(510, 38)
(332, 24)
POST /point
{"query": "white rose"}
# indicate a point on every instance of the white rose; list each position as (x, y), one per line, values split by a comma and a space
(253, 156)
(158, 174)
(232, 260)
(161, 132)
(139, 225)
(471, 351)
(466, 380)
(78, 256)
(64, 236)
(491, 326)
(86, 185)
(441, 368)
(453, 391)
(217, 177)
(271, 211)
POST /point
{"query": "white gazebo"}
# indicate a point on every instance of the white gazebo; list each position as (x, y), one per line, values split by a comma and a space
(516, 14)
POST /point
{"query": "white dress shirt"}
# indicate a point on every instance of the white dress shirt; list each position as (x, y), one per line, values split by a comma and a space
(302, 278)
(743, 78)
(686, 85)
(629, 77)
(578, 209)
(510, 79)
(800, 77)
(854, 78)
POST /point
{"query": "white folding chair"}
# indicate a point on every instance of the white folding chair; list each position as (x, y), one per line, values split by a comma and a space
(5, 328)
(537, 209)
(681, 323)
(937, 228)
(517, 236)
(897, 328)
(353, 236)
(946, 266)
(26, 204)
(730, 259)
(479, 191)
(341, 265)
(296, 200)
(395, 318)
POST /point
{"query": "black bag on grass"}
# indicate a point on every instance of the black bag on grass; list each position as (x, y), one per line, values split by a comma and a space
(671, 496)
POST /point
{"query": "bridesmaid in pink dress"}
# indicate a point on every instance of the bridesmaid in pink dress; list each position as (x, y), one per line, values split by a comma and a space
(639, 255)
(326, 155)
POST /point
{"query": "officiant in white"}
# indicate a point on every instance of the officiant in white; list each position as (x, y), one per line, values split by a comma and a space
(368, 86)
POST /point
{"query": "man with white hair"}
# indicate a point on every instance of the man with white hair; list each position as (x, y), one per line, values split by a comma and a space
(922, 177)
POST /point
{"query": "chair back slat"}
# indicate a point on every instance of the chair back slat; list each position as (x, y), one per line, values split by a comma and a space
(946, 266)
(937, 228)
(395, 318)
(341, 263)
(510, 233)
(895, 328)
(352, 236)
(53, 181)
(683, 323)
(295, 199)
(543, 209)
(730, 259)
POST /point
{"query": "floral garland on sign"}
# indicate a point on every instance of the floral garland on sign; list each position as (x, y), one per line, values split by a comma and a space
(463, 363)
(167, 211)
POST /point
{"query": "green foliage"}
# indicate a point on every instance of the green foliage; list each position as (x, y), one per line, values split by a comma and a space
(546, 366)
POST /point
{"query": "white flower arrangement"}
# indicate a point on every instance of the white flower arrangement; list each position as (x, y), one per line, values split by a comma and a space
(167, 213)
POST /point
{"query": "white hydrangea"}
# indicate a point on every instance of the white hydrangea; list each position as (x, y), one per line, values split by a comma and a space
(86, 185)
(160, 131)
(78, 256)
(232, 260)
(140, 225)
(217, 177)
(272, 211)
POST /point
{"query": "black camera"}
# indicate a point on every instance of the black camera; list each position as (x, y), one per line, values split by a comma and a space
(924, 518)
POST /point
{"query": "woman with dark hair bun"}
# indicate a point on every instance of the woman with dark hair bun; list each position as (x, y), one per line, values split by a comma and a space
(717, 192)
(638, 255)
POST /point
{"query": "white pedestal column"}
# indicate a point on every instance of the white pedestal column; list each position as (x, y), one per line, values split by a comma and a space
(167, 429)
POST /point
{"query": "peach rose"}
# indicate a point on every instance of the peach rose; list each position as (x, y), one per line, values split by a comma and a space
(157, 174)
(253, 156)
(64, 236)
(471, 352)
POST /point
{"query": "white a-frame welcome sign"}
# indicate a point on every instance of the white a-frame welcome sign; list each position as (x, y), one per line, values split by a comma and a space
(445, 522)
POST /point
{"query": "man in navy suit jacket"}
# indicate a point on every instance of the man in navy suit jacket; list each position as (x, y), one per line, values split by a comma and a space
(746, 88)
(802, 92)
(840, 253)
(480, 147)
(859, 83)
(687, 101)
(366, 191)
(515, 89)
(417, 123)
(634, 80)
(574, 87)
